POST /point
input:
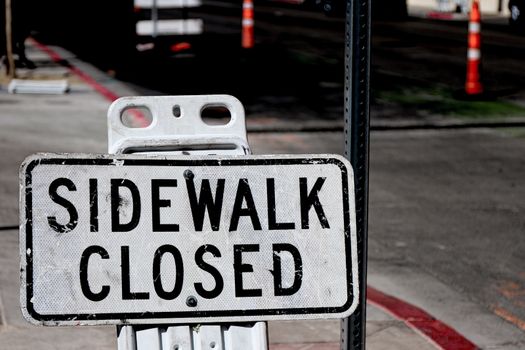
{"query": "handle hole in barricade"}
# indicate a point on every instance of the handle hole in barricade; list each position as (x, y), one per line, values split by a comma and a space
(177, 113)
(215, 115)
(136, 117)
(184, 149)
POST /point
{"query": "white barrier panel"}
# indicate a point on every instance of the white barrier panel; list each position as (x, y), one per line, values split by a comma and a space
(170, 27)
(147, 4)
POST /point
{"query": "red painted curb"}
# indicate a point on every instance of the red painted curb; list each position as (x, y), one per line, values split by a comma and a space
(436, 331)
(87, 79)
(109, 95)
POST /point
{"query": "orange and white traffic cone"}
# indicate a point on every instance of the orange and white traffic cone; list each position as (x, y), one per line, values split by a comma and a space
(473, 84)
(247, 24)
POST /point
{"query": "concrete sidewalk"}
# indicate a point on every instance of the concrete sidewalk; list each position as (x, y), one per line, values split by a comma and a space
(76, 122)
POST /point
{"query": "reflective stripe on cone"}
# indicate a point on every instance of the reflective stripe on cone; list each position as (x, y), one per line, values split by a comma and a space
(473, 84)
(247, 24)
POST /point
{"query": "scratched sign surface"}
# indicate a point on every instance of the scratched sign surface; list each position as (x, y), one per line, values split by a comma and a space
(120, 240)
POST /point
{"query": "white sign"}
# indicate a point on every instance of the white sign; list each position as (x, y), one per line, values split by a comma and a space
(129, 240)
(147, 4)
(189, 26)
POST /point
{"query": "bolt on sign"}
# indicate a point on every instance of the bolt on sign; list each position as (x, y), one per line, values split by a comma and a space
(135, 240)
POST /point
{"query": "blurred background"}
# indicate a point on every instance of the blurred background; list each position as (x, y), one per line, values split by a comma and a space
(419, 52)
(447, 165)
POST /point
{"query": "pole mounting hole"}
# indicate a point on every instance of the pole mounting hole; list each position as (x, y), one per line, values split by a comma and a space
(136, 117)
(215, 115)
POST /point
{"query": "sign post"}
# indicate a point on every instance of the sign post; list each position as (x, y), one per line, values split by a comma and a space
(357, 131)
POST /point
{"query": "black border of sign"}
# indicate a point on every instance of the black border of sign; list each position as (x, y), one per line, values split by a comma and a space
(181, 162)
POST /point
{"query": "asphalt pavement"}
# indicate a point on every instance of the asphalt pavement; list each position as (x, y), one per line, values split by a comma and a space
(446, 222)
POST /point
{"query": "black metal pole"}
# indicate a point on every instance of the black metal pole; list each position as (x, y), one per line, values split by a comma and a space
(357, 131)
